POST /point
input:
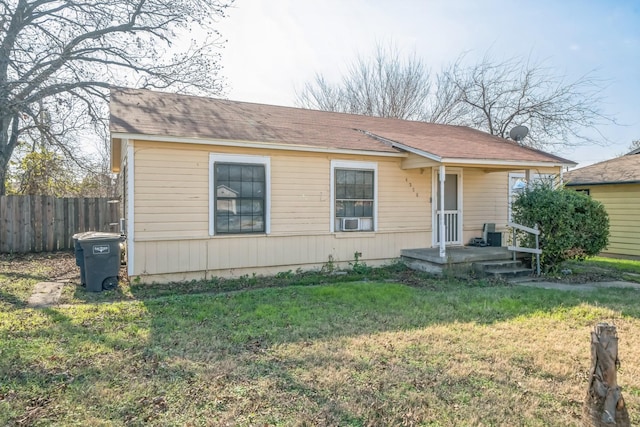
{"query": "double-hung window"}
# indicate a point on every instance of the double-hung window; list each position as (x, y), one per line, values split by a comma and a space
(354, 187)
(240, 194)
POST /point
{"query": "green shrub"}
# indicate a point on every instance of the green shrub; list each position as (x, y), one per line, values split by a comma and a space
(572, 224)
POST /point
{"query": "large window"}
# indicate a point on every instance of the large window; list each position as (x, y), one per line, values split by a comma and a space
(240, 194)
(353, 196)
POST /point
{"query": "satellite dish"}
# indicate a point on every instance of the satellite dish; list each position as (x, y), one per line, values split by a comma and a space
(518, 133)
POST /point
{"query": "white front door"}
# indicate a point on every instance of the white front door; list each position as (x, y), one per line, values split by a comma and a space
(452, 207)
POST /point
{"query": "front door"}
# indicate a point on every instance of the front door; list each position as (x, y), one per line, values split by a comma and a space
(452, 208)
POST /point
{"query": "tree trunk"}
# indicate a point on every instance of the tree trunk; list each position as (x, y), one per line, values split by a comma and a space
(9, 131)
(604, 405)
(4, 168)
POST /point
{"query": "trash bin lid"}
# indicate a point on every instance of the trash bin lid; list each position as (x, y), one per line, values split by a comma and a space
(80, 235)
(99, 235)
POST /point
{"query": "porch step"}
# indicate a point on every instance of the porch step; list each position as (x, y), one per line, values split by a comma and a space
(497, 264)
(509, 272)
(505, 269)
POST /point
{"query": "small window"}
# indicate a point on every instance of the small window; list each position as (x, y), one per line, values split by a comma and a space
(518, 184)
(584, 190)
(354, 190)
(239, 196)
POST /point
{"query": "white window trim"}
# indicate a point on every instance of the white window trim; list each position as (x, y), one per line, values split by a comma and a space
(354, 165)
(237, 158)
(522, 175)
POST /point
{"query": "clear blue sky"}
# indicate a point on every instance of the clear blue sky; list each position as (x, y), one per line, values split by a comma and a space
(275, 46)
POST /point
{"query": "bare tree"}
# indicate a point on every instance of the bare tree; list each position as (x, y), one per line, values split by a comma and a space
(58, 58)
(385, 85)
(634, 146)
(496, 96)
(491, 95)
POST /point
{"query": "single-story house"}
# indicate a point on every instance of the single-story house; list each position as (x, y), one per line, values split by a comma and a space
(616, 184)
(221, 188)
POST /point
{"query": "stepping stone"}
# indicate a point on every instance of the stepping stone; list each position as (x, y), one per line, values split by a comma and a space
(45, 294)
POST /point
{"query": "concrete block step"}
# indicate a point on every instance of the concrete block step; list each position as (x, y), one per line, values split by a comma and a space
(486, 265)
(508, 272)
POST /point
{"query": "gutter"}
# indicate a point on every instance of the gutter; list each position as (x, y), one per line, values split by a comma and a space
(582, 184)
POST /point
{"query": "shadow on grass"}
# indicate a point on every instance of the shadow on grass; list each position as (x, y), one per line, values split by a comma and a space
(292, 307)
(145, 332)
(12, 300)
(26, 276)
(240, 322)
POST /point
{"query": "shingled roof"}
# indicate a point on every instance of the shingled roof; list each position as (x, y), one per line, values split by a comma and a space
(144, 112)
(621, 170)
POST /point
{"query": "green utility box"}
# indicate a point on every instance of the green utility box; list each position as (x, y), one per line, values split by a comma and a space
(101, 258)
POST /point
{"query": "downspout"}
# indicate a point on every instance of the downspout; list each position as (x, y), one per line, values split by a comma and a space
(443, 252)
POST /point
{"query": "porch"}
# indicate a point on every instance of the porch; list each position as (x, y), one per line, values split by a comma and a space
(463, 257)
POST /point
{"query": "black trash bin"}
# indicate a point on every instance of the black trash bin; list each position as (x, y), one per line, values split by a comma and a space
(101, 256)
(80, 255)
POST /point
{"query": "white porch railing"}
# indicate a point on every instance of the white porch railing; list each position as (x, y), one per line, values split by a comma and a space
(451, 228)
(515, 248)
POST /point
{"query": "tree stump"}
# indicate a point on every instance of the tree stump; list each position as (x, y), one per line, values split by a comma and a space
(604, 405)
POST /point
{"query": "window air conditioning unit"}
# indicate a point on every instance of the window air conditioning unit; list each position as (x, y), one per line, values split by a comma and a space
(349, 224)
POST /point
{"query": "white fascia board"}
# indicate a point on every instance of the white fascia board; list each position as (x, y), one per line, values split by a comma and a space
(404, 147)
(490, 162)
(250, 144)
(418, 152)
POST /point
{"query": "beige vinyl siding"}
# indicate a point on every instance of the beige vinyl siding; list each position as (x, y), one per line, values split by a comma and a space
(172, 194)
(622, 203)
(172, 213)
(403, 198)
(235, 256)
(172, 202)
(485, 200)
(171, 191)
(300, 193)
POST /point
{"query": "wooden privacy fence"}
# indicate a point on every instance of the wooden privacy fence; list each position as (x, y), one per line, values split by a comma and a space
(44, 223)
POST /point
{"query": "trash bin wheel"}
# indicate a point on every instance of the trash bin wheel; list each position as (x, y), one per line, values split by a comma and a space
(110, 283)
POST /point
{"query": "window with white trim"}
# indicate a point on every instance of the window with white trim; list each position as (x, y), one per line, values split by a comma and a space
(239, 194)
(353, 196)
(518, 183)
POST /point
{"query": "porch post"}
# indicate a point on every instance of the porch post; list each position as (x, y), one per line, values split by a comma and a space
(443, 252)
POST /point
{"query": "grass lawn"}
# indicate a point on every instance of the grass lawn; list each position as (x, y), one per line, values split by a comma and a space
(427, 351)
(621, 268)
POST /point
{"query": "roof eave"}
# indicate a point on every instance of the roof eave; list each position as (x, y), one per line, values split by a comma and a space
(583, 184)
(503, 162)
(252, 144)
(404, 147)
